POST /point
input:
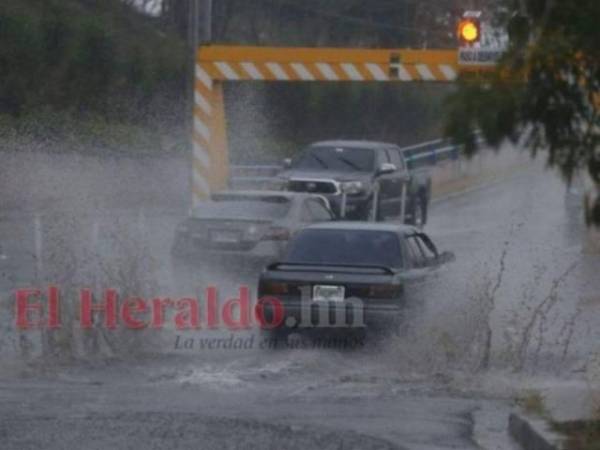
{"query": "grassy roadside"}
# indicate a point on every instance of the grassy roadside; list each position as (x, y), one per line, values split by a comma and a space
(581, 435)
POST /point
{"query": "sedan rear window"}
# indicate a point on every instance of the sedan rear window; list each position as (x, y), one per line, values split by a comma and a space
(353, 247)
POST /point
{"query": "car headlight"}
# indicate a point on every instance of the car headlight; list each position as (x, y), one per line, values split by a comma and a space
(353, 187)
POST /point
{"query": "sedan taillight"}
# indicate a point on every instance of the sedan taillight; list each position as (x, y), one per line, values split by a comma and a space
(277, 234)
(385, 291)
(274, 288)
(375, 291)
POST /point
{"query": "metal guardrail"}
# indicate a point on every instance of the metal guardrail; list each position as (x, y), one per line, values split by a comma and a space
(253, 177)
(430, 153)
(426, 154)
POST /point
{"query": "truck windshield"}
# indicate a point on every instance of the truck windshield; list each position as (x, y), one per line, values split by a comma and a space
(352, 247)
(336, 158)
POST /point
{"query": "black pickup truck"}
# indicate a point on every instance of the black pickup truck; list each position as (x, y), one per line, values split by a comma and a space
(355, 176)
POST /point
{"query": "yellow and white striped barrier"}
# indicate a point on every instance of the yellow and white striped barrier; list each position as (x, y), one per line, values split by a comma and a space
(218, 64)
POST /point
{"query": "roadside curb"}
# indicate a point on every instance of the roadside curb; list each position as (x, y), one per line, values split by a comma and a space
(533, 433)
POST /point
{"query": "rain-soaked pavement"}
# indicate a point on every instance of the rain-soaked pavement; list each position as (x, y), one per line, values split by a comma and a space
(437, 385)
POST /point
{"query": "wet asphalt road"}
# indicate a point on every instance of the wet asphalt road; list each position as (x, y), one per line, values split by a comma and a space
(419, 390)
(150, 407)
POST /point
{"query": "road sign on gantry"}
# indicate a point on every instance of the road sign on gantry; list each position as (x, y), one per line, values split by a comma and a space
(219, 64)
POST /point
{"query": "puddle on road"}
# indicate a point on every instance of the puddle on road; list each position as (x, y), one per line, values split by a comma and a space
(446, 342)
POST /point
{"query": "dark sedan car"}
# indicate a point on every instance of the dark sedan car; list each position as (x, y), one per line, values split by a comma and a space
(345, 275)
(242, 225)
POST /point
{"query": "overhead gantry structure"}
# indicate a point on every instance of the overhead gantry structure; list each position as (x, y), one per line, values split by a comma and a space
(217, 65)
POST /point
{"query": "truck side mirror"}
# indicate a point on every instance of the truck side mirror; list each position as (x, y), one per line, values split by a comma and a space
(386, 168)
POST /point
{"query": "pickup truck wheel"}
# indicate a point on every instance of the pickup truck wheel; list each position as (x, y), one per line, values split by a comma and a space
(367, 211)
(424, 209)
(419, 213)
(367, 214)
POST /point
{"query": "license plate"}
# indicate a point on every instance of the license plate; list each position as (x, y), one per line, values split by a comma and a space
(225, 237)
(329, 293)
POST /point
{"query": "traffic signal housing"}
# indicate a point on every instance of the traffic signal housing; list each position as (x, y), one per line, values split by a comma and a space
(469, 28)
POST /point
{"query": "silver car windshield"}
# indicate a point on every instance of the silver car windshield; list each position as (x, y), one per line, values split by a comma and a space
(247, 208)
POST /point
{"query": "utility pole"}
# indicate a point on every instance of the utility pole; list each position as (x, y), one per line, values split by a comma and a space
(192, 49)
(192, 39)
(208, 21)
(194, 12)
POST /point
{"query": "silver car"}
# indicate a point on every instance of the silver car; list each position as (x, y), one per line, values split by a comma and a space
(243, 225)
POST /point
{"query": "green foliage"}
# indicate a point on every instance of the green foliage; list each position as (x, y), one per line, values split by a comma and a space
(73, 70)
(84, 56)
(302, 113)
(68, 132)
(347, 23)
(548, 85)
(580, 435)
(533, 403)
(488, 107)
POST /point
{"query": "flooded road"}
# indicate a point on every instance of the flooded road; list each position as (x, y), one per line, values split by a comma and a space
(520, 302)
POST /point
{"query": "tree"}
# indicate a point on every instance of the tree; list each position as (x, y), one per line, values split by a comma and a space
(547, 85)
(89, 56)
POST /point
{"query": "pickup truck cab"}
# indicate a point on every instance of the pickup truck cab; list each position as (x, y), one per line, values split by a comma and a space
(356, 176)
